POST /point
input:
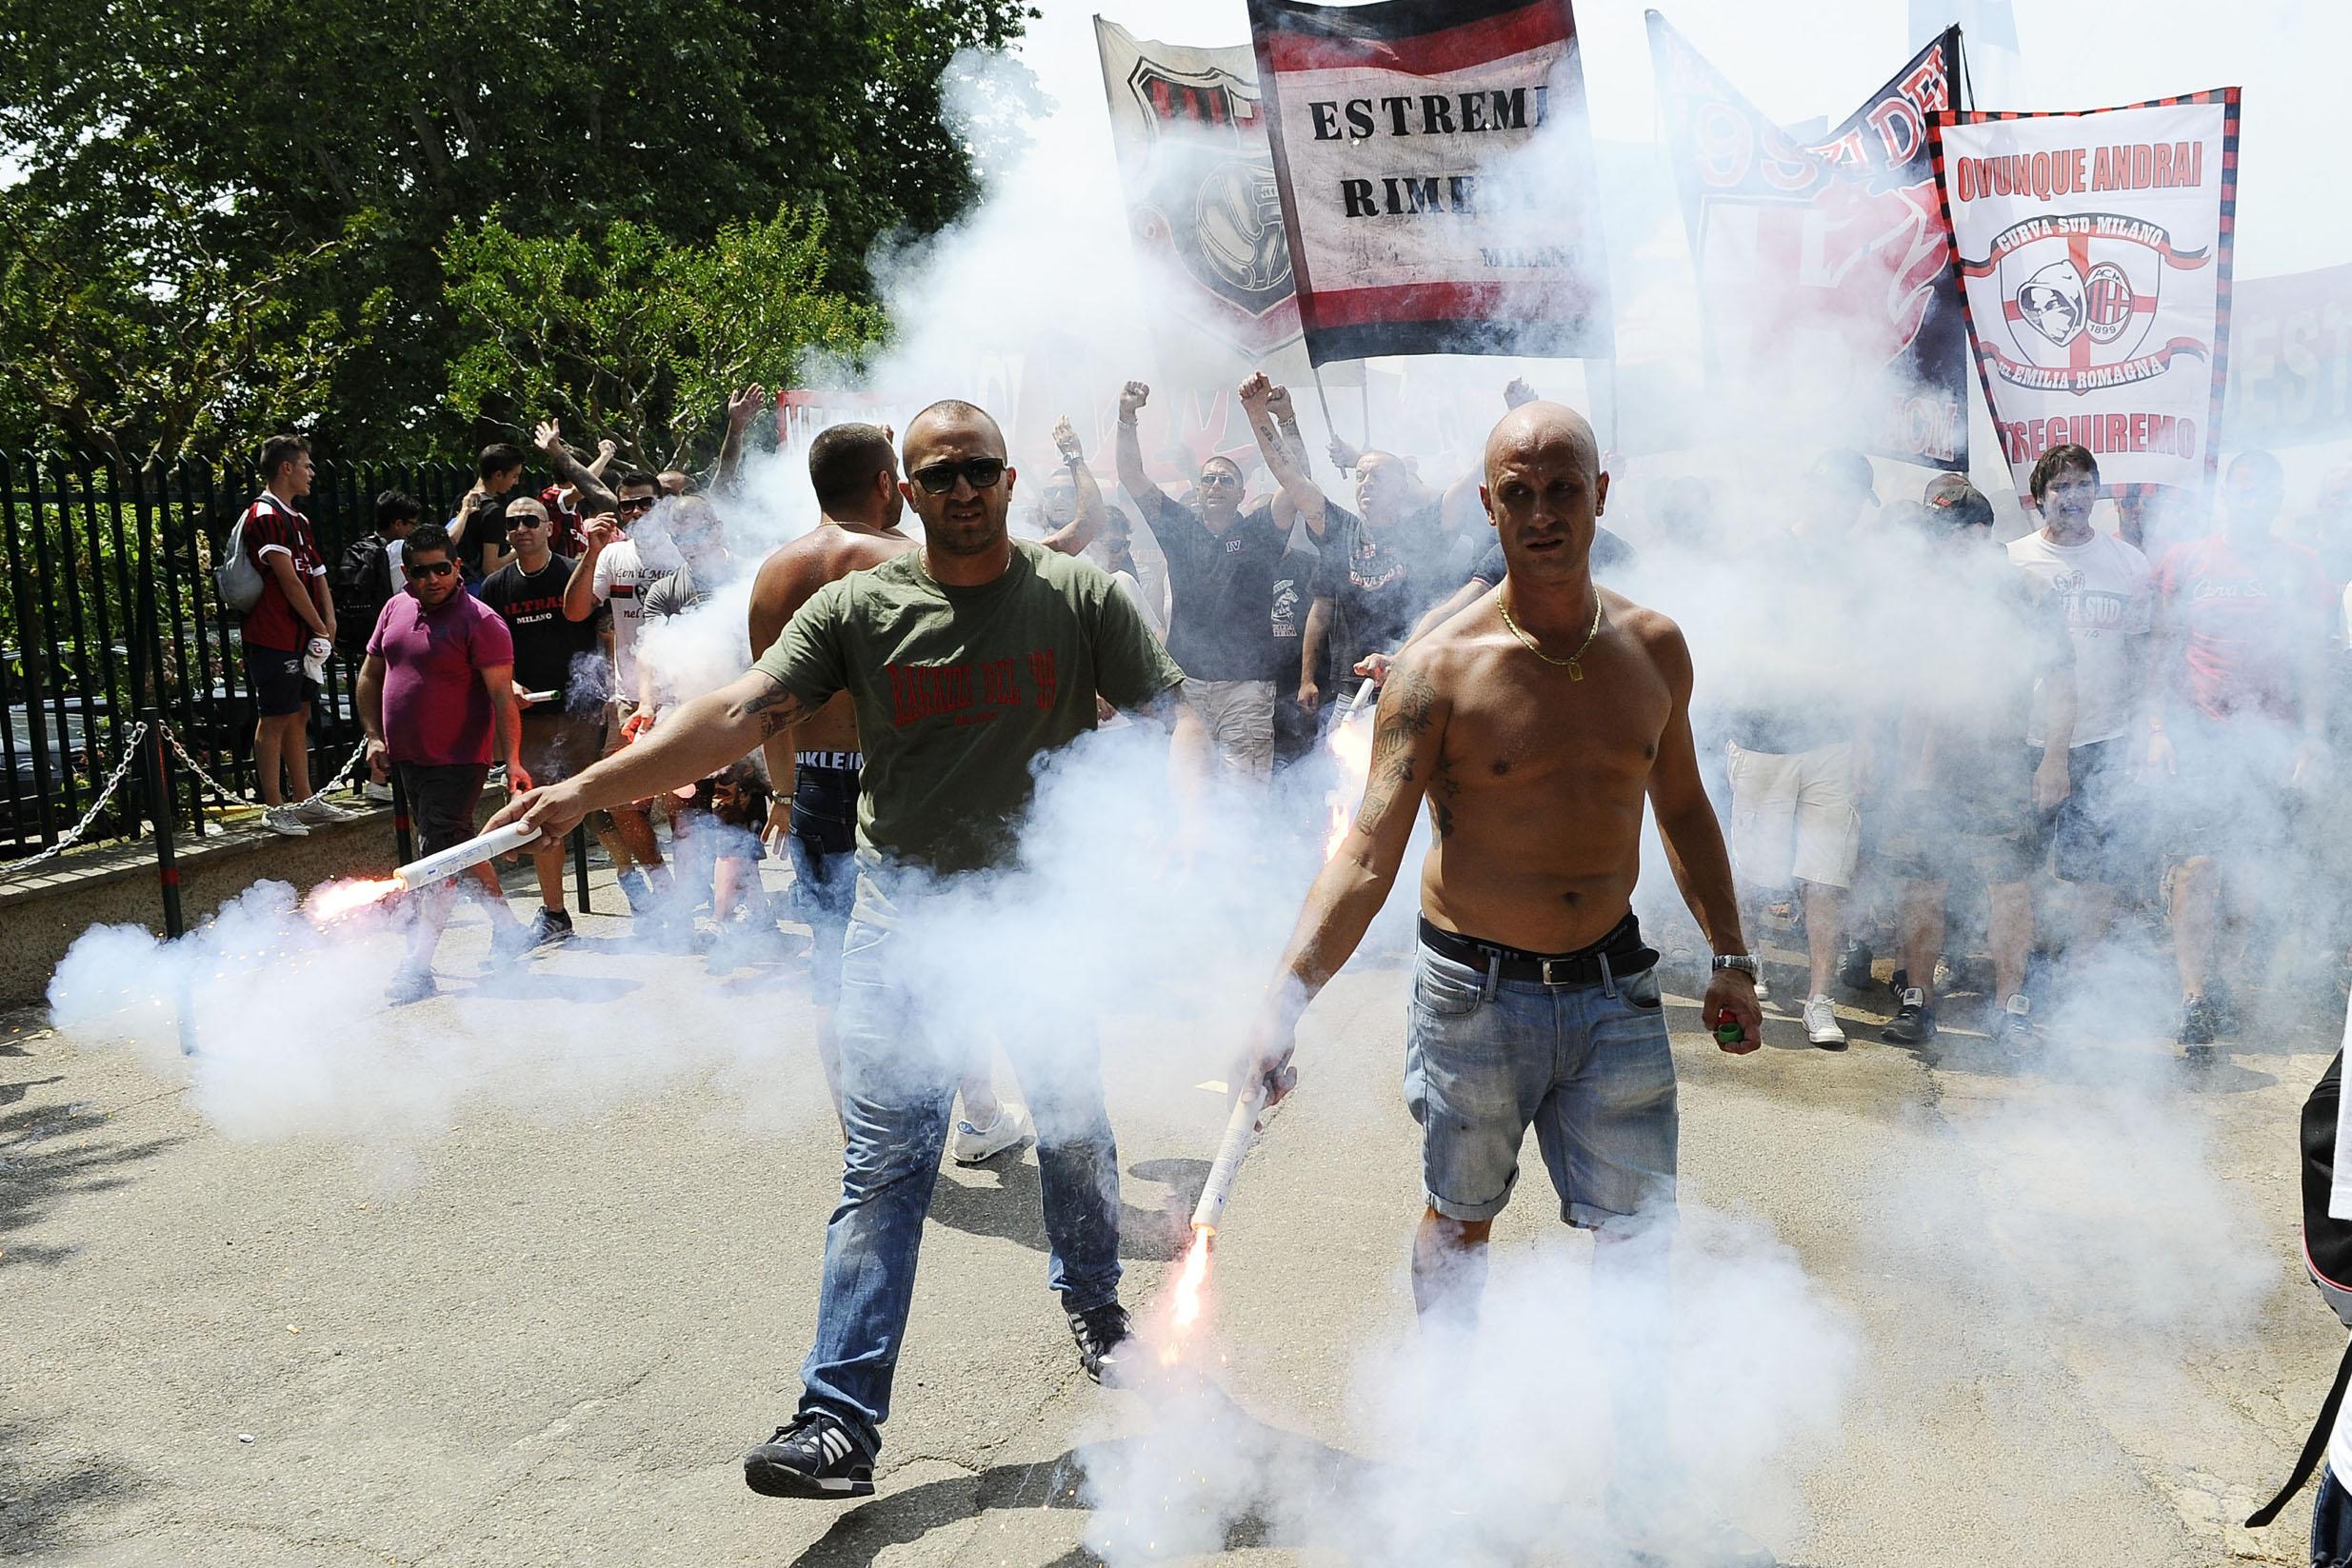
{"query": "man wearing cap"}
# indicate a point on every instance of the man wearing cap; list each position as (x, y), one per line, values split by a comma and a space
(1800, 752)
(1981, 765)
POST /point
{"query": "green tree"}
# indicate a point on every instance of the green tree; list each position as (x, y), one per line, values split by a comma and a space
(628, 334)
(276, 131)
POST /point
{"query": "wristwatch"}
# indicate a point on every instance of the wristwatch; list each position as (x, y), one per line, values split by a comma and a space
(1744, 962)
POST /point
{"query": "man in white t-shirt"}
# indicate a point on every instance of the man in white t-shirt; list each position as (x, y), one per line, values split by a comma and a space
(2107, 589)
(613, 570)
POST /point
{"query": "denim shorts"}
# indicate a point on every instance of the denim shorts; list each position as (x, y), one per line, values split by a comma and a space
(1589, 1066)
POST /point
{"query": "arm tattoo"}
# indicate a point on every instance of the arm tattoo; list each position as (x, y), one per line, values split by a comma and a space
(1392, 766)
(1443, 790)
(776, 709)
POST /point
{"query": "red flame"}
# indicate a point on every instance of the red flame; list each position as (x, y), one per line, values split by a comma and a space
(1352, 744)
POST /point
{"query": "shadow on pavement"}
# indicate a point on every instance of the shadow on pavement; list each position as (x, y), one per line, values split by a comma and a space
(1009, 1211)
(46, 1155)
(35, 1506)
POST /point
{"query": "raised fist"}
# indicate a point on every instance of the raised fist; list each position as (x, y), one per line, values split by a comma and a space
(1256, 391)
(1518, 392)
(1066, 441)
(1132, 397)
(1278, 404)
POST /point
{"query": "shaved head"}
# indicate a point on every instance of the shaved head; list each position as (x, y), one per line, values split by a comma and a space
(1534, 427)
(968, 419)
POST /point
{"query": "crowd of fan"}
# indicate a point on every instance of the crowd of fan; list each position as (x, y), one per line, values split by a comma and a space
(2127, 736)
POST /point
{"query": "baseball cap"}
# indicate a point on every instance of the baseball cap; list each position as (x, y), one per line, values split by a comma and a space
(1951, 499)
(1848, 469)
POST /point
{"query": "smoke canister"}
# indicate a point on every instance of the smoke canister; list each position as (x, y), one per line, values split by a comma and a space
(461, 857)
(1241, 1129)
(1727, 1029)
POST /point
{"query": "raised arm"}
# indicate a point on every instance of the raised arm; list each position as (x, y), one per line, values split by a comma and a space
(1408, 737)
(1074, 536)
(549, 437)
(607, 450)
(741, 407)
(706, 735)
(1129, 445)
(1694, 846)
(596, 533)
(1288, 467)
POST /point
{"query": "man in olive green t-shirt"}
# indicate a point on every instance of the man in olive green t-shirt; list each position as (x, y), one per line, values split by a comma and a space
(966, 661)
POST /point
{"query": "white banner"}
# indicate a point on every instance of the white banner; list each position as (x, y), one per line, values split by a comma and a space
(2094, 254)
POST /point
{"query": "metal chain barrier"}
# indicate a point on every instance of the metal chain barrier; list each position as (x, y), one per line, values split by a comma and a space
(113, 782)
(233, 797)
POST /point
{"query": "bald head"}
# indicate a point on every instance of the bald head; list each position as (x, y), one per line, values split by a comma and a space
(1539, 427)
(966, 425)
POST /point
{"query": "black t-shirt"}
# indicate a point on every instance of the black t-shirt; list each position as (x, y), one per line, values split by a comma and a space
(1220, 625)
(1378, 589)
(531, 604)
(1610, 554)
(1294, 594)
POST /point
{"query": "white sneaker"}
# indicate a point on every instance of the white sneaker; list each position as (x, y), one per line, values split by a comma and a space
(972, 1144)
(1763, 988)
(380, 793)
(1822, 1026)
(318, 812)
(285, 822)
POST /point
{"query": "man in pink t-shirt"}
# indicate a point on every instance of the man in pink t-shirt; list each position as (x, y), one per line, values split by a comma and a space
(2241, 628)
(435, 694)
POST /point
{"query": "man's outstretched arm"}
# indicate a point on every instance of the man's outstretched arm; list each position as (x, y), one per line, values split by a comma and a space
(1074, 536)
(705, 736)
(592, 495)
(1408, 736)
(1258, 397)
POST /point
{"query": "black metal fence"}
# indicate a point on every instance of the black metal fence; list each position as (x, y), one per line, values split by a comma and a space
(109, 607)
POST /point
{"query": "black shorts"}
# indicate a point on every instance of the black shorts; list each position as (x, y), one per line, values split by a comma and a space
(441, 803)
(2099, 833)
(275, 677)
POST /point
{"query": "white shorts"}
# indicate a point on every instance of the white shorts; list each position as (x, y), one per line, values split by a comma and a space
(1793, 817)
(1239, 716)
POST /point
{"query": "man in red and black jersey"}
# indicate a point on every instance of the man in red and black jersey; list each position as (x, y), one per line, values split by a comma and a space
(288, 636)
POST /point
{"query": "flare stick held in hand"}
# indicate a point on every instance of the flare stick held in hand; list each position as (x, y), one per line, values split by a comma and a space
(1240, 1130)
(463, 857)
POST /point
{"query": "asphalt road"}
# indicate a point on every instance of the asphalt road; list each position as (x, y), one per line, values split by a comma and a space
(1939, 1308)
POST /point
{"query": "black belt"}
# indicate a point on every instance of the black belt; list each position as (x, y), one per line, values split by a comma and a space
(1615, 956)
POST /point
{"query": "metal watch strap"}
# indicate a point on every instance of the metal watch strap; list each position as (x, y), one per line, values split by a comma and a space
(1744, 962)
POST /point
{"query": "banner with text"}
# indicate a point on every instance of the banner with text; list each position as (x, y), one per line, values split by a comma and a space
(2290, 359)
(1202, 205)
(1825, 272)
(2094, 254)
(1436, 176)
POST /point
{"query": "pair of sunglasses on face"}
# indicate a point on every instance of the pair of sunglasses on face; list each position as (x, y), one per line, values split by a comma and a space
(939, 478)
(417, 574)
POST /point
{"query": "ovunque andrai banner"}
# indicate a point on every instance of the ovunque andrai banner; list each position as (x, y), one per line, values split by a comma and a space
(1824, 269)
(1202, 209)
(1437, 179)
(2093, 257)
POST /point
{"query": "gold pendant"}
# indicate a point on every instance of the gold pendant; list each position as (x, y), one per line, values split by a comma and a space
(1576, 671)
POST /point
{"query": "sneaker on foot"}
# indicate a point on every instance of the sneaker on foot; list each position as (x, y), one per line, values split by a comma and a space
(636, 890)
(1763, 987)
(814, 1457)
(380, 793)
(318, 813)
(2224, 1005)
(2018, 1030)
(285, 822)
(1822, 1026)
(1914, 1022)
(1854, 965)
(410, 985)
(2199, 1027)
(973, 1144)
(1102, 1335)
(550, 926)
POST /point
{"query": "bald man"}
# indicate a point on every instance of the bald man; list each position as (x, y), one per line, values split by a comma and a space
(1535, 724)
(966, 661)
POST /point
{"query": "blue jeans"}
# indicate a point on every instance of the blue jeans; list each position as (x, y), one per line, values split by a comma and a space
(1588, 1066)
(900, 1065)
(2331, 1523)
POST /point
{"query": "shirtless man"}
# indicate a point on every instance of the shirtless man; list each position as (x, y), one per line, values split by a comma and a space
(815, 769)
(1536, 723)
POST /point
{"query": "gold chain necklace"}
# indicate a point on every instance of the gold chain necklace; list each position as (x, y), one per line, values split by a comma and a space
(1576, 671)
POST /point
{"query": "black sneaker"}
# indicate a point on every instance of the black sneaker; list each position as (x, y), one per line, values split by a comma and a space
(1914, 1022)
(2199, 1027)
(2017, 1029)
(410, 985)
(2224, 1005)
(814, 1457)
(550, 926)
(1102, 1334)
(1896, 983)
(1854, 966)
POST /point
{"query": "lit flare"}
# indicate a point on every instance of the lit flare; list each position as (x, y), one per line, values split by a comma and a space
(1350, 744)
(1188, 1287)
(338, 899)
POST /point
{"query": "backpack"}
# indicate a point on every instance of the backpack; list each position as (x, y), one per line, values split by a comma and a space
(238, 579)
(2327, 1256)
(362, 585)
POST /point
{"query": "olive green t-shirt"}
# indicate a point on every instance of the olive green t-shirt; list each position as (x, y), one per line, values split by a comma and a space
(958, 690)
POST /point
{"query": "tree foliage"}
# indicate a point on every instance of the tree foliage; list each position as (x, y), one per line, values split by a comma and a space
(629, 334)
(317, 156)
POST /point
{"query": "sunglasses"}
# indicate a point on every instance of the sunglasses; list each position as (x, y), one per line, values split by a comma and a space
(430, 569)
(635, 503)
(939, 478)
(525, 519)
(1219, 478)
